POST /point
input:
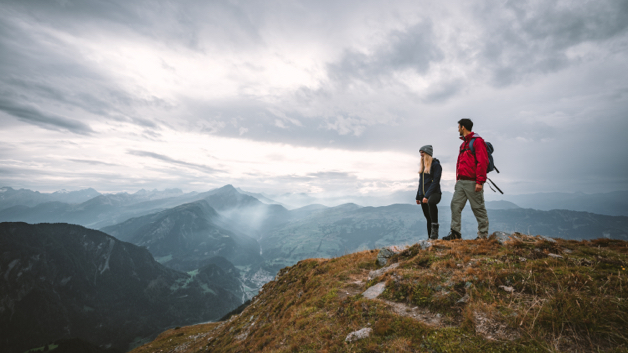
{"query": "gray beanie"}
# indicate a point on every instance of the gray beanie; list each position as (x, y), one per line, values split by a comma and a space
(427, 149)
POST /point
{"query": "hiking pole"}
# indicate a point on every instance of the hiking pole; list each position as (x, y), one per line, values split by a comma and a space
(495, 186)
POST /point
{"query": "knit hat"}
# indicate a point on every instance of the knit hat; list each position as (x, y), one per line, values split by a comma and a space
(427, 149)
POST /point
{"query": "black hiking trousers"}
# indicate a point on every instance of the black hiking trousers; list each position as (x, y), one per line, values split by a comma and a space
(430, 211)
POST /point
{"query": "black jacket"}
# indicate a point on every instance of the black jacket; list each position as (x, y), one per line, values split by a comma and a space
(429, 184)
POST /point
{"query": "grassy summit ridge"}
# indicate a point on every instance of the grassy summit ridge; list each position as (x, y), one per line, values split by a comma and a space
(528, 294)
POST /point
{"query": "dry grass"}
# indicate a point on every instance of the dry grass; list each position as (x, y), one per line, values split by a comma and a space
(528, 295)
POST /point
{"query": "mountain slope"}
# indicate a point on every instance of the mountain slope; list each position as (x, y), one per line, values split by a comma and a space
(185, 236)
(63, 281)
(526, 294)
(243, 213)
(343, 229)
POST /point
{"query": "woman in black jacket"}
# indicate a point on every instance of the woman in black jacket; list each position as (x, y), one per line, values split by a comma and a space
(429, 193)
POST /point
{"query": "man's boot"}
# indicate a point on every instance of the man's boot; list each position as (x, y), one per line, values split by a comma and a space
(453, 235)
(434, 233)
(483, 236)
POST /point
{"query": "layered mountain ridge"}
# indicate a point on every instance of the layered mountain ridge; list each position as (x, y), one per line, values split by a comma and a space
(184, 236)
(64, 281)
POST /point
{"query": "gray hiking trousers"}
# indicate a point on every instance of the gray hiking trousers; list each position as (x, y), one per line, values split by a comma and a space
(465, 190)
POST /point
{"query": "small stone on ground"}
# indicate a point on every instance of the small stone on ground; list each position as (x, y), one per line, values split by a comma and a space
(374, 291)
(502, 237)
(358, 335)
(385, 253)
(424, 244)
(381, 271)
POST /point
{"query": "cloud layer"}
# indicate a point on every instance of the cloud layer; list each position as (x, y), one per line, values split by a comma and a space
(318, 97)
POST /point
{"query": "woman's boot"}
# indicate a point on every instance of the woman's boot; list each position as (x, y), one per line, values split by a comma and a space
(434, 232)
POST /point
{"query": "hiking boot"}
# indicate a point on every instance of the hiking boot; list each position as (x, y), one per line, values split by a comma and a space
(434, 232)
(483, 236)
(453, 235)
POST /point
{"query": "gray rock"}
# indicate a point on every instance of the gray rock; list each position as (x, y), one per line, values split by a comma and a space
(424, 244)
(381, 271)
(386, 253)
(358, 335)
(547, 239)
(502, 237)
(383, 256)
(374, 291)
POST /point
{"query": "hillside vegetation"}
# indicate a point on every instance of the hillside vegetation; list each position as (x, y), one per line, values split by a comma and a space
(62, 281)
(525, 294)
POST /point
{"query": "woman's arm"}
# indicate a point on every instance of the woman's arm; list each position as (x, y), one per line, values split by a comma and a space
(437, 171)
(419, 197)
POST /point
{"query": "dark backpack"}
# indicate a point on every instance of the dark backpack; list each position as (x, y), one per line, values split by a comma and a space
(489, 150)
(491, 164)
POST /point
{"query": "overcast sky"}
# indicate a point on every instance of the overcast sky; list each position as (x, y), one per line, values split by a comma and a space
(325, 97)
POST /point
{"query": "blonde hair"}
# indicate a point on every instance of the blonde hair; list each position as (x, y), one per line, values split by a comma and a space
(426, 163)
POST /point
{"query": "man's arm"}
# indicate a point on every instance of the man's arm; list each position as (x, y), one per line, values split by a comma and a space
(481, 155)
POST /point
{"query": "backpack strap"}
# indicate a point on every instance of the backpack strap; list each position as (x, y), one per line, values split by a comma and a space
(470, 148)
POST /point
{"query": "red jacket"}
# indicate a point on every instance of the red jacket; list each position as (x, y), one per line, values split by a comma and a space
(470, 167)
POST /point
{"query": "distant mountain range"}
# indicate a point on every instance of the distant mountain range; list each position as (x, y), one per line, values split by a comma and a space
(612, 203)
(331, 232)
(66, 281)
(287, 236)
(10, 197)
(99, 211)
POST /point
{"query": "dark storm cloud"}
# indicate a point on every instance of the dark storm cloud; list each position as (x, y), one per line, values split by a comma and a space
(38, 68)
(179, 23)
(413, 48)
(48, 121)
(80, 90)
(524, 38)
(161, 157)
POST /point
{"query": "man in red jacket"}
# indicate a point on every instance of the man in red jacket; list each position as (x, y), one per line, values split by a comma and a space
(470, 178)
